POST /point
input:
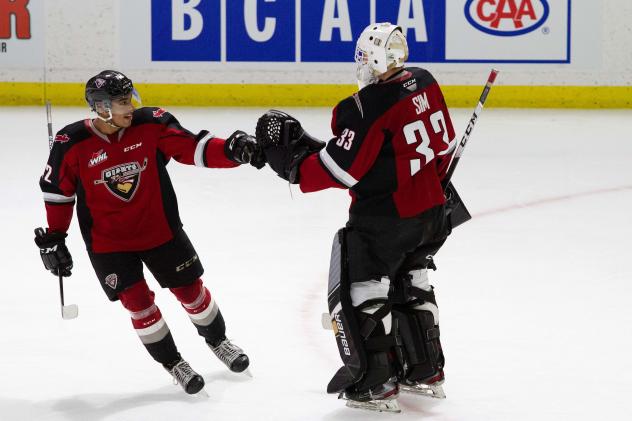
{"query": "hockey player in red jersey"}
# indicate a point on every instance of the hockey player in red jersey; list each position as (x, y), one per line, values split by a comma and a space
(114, 168)
(393, 141)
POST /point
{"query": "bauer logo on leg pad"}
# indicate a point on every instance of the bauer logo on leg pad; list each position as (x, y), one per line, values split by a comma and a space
(339, 331)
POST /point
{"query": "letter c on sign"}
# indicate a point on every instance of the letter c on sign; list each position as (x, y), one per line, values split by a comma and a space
(481, 13)
(250, 19)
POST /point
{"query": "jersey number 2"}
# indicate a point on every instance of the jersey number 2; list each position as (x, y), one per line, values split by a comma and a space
(418, 128)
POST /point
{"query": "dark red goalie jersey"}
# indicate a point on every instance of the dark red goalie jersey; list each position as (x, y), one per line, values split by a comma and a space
(393, 145)
(125, 200)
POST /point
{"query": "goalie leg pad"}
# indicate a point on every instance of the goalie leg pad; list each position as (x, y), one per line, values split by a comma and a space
(361, 320)
(416, 321)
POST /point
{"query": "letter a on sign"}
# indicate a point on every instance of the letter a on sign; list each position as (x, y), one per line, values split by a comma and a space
(418, 20)
(330, 21)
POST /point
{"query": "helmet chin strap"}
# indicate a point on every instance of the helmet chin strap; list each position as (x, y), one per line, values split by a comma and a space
(108, 120)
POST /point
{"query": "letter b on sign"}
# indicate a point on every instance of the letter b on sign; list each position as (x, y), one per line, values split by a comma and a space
(185, 30)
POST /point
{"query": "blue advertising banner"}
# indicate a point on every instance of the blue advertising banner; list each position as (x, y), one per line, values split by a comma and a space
(260, 30)
(185, 30)
(438, 31)
(329, 29)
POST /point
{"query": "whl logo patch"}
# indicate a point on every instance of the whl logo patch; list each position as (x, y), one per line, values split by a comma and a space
(97, 158)
(122, 180)
(507, 18)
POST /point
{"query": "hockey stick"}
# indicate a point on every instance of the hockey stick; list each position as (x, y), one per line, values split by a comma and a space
(470, 126)
(70, 311)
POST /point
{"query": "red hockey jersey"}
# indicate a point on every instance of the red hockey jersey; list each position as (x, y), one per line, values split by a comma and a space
(394, 141)
(125, 199)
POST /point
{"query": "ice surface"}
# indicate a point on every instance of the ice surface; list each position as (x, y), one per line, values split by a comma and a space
(535, 292)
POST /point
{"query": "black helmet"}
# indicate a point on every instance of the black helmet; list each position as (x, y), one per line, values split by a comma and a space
(106, 86)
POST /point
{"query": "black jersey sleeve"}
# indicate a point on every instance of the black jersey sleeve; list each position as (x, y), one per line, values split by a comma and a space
(351, 153)
(59, 181)
(61, 176)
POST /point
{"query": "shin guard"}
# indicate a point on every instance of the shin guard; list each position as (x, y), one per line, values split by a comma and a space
(148, 322)
(202, 310)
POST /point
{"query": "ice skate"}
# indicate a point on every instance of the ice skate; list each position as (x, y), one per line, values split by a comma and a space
(382, 398)
(185, 376)
(432, 388)
(233, 356)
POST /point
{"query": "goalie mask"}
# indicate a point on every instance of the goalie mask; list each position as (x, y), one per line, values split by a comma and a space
(381, 47)
(103, 91)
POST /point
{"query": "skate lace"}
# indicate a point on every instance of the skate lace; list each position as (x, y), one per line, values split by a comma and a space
(183, 373)
(227, 352)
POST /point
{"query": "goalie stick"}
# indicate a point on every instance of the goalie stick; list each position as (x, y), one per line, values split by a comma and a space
(71, 311)
(470, 126)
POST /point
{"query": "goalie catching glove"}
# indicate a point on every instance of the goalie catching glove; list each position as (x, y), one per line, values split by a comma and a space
(285, 143)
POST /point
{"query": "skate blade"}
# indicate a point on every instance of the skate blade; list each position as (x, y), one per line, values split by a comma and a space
(431, 391)
(69, 312)
(386, 405)
(202, 394)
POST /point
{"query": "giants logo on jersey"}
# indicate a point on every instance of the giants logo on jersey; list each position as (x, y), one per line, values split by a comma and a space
(507, 17)
(122, 180)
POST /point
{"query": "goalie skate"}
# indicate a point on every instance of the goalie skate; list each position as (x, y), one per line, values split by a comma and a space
(380, 399)
(429, 390)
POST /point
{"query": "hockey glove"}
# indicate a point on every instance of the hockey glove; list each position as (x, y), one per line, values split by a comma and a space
(53, 251)
(243, 149)
(285, 143)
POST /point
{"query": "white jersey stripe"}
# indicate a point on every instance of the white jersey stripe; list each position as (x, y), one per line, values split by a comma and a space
(198, 157)
(340, 174)
(58, 198)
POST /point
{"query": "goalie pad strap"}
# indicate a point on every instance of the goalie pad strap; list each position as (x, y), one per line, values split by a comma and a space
(383, 343)
(373, 320)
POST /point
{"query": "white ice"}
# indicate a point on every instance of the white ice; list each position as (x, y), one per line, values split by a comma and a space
(535, 292)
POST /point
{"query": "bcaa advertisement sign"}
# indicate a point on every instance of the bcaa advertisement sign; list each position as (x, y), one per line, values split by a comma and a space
(510, 31)
(21, 33)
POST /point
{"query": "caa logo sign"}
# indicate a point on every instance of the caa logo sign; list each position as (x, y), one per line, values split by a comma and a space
(507, 17)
